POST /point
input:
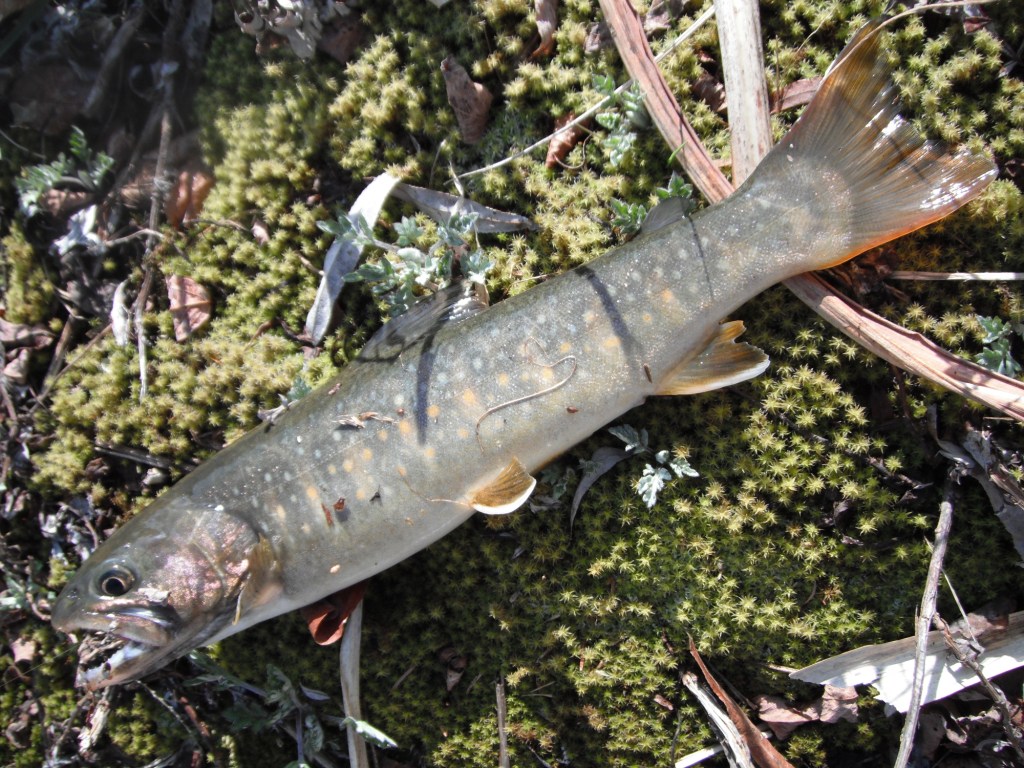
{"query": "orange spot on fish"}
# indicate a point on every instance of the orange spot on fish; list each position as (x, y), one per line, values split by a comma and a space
(405, 427)
(462, 432)
(565, 347)
(469, 397)
(347, 465)
(382, 435)
(433, 411)
(367, 454)
(430, 452)
(611, 341)
(503, 379)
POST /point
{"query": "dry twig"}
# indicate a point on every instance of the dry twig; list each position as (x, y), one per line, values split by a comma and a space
(923, 623)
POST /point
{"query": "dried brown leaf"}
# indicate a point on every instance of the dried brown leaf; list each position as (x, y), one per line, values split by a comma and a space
(781, 716)
(794, 95)
(710, 90)
(761, 750)
(185, 200)
(190, 305)
(838, 703)
(326, 618)
(471, 101)
(562, 141)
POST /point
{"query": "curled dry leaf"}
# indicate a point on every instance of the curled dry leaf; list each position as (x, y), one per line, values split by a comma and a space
(326, 618)
(471, 101)
(190, 305)
(835, 704)
(185, 200)
(710, 90)
(547, 23)
(794, 95)
(563, 141)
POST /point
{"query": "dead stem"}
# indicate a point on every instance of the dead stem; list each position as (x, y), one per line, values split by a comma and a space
(924, 621)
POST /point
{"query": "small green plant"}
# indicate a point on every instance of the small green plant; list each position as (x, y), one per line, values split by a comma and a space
(628, 218)
(998, 337)
(677, 187)
(84, 168)
(626, 116)
(654, 477)
(410, 270)
(284, 703)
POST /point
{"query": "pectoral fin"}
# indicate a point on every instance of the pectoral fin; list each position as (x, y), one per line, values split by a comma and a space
(262, 581)
(722, 363)
(506, 493)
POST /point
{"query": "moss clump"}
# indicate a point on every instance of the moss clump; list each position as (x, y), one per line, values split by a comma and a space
(28, 292)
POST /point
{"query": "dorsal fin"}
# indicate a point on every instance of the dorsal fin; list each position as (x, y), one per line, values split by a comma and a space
(457, 302)
(722, 363)
(664, 213)
(506, 493)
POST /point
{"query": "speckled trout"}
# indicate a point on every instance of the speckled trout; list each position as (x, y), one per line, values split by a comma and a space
(450, 408)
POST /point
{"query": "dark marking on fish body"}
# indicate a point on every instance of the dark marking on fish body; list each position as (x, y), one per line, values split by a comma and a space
(327, 515)
(611, 309)
(647, 373)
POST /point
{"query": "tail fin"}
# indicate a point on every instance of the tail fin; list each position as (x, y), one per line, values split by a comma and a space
(897, 181)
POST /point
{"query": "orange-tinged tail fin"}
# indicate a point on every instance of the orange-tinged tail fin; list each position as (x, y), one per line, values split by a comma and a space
(896, 180)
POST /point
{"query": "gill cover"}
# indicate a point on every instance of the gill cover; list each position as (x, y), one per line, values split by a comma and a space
(164, 583)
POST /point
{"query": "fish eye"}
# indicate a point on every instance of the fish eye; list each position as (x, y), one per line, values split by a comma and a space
(115, 581)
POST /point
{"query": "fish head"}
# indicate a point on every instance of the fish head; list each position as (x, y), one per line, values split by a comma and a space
(168, 581)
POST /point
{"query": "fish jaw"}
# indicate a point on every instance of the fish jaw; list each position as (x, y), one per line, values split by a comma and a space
(148, 596)
(125, 639)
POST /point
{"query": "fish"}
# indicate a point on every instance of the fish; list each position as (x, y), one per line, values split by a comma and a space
(450, 409)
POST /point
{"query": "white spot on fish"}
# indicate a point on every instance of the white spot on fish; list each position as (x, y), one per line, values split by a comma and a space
(298, 438)
(317, 453)
(335, 568)
(336, 435)
(267, 477)
(399, 400)
(219, 508)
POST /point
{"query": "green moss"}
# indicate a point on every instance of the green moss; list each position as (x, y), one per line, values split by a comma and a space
(792, 544)
(28, 292)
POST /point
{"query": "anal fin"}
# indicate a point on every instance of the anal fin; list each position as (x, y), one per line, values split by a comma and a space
(506, 493)
(721, 364)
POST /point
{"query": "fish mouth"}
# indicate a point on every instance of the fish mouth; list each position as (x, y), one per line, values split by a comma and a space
(124, 642)
(106, 659)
